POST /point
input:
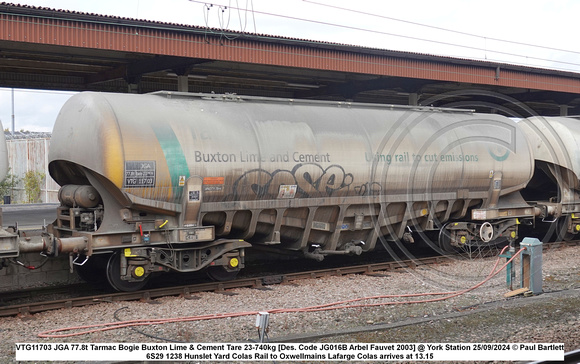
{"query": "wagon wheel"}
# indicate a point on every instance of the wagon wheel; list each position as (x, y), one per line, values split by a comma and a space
(445, 241)
(93, 271)
(220, 274)
(113, 273)
(561, 233)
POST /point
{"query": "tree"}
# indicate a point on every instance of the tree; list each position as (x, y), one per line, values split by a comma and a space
(7, 184)
(32, 183)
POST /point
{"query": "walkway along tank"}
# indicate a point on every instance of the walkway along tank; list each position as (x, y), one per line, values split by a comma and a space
(185, 182)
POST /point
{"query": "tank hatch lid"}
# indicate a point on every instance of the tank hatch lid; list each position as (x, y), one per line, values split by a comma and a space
(289, 101)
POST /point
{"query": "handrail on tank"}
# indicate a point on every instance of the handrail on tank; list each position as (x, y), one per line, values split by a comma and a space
(277, 100)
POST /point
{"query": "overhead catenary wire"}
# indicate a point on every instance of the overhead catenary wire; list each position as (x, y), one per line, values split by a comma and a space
(440, 42)
(345, 304)
(442, 29)
(223, 26)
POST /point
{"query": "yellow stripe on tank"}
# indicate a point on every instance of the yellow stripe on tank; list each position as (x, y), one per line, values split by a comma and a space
(114, 167)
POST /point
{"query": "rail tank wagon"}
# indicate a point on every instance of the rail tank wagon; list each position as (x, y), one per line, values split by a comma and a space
(185, 182)
(555, 187)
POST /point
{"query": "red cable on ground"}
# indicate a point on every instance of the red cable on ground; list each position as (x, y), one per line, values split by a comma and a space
(57, 333)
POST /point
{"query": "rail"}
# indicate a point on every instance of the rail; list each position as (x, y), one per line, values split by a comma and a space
(188, 290)
(254, 282)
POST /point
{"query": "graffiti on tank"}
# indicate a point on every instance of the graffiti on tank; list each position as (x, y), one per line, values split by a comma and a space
(369, 189)
(311, 179)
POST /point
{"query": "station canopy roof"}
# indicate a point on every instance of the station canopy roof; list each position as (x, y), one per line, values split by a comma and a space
(42, 48)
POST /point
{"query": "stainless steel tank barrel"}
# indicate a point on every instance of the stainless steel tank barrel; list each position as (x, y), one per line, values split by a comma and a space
(286, 171)
(246, 148)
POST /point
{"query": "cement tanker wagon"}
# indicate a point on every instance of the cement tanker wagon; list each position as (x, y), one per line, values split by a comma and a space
(185, 182)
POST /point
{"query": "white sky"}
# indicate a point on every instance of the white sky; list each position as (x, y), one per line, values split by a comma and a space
(532, 33)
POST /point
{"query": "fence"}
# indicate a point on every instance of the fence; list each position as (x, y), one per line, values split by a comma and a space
(26, 155)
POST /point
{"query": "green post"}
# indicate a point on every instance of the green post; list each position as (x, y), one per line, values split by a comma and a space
(510, 271)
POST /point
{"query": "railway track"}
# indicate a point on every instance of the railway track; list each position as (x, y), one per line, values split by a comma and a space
(188, 291)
